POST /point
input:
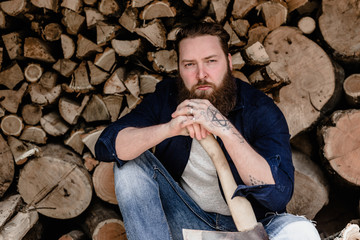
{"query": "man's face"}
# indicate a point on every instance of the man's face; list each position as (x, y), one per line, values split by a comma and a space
(202, 64)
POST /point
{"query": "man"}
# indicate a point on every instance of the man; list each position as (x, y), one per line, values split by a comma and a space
(177, 187)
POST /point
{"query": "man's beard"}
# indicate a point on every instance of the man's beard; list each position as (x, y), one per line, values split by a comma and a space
(223, 97)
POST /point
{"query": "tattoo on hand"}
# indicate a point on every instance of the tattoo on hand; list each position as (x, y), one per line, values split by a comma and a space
(255, 181)
(217, 119)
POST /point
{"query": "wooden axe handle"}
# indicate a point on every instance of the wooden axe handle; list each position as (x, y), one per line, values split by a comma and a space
(240, 208)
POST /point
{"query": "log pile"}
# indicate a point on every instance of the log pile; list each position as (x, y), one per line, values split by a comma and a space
(68, 68)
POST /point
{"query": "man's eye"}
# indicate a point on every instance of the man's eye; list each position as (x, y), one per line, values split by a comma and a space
(212, 60)
(189, 64)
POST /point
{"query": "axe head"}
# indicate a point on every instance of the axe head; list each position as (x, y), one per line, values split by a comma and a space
(257, 233)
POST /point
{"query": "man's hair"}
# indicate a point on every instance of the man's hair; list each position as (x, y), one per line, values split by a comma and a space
(201, 29)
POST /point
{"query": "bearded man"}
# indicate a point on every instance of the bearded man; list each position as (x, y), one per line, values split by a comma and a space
(174, 187)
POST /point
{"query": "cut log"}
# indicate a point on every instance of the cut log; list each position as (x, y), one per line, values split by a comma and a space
(105, 60)
(52, 32)
(163, 60)
(65, 67)
(90, 2)
(74, 141)
(139, 3)
(37, 49)
(90, 138)
(85, 47)
(132, 101)
(97, 76)
(10, 99)
(11, 76)
(132, 83)
(72, 21)
(48, 80)
(219, 7)
(34, 134)
(273, 12)
(125, 48)
(3, 24)
(242, 7)
(115, 83)
(129, 19)
(89, 161)
(20, 225)
(234, 39)
(314, 79)
(295, 4)
(335, 22)
(257, 34)
(13, 44)
(113, 104)
(105, 32)
(56, 184)
(80, 80)
(42, 96)
(74, 235)
(307, 25)
(8, 207)
(95, 110)
(240, 26)
(256, 55)
(92, 16)
(340, 145)
(33, 72)
(350, 232)
(12, 125)
(70, 110)
(148, 82)
(237, 61)
(102, 222)
(67, 45)
(7, 168)
(21, 150)
(74, 5)
(48, 4)
(53, 124)
(158, 9)
(352, 90)
(154, 32)
(309, 179)
(109, 7)
(14, 7)
(103, 180)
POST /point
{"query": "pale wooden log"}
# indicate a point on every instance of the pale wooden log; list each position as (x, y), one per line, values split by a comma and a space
(14, 7)
(48, 80)
(20, 225)
(2, 112)
(257, 34)
(3, 23)
(74, 5)
(132, 101)
(334, 23)
(163, 60)
(242, 7)
(43, 96)
(105, 32)
(340, 145)
(7, 168)
(125, 111)
(105, 60)
(115, 83)
(37, 49)
(154, 32)
(73, 21)
(102, 222)
(190, 3)
(48, 4)
(295, 4)
(172, 34)
(113, 104)
(307, 25)
(67, 45)
(90, 2)
(74, 141)
(256, 55)
(273, 12)
(309, 179)
(74, 235)
(11, 125)
(103, 180)
(80, 80)
(8, 207)
(352, 89)
(125, 48)
(314, 78)
(132, 83)
(53, 124)
(13, 45)
(109, 7)
(21, 150)
(158, 9)
(237, 61)
(234, 39)
(139, 3)
(52, 32)
(148, 82)
(85, 47)
(33, 72)
(70, 110)
(90, 138)
(56, 184)
(350, 232)
(34, 134)
(11, 99)
(219, 7)
(89, 161)
(129, 19)
(11, 76)
(95, 110)
(97, 76)
(92, 15)
(65, 67)
(240, 76)
(240, 26)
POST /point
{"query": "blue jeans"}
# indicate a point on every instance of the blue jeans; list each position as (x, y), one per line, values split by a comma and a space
(155, 207)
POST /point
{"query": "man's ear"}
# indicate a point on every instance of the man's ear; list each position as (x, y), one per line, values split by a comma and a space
(230, 61)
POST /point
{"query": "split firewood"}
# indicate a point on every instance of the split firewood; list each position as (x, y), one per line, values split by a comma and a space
(33, 72)
(80, 80)
(102, 221)
(7, 168)
(53, 124)
(172, 34)
(163, 60)
(242, 7)
(52, 32)
(219, 7)
(22, 150)
(3, 22)
(10, 99)
(148, 82)
(37, 49)
(334, 23)
(273, 12)
(11, 125)
(74, 5)
(74, 141)
(256, 55)
(125, 111)
(340, 144)
(257, 34)
(97, 76)
(109, 7)
(65, 67)
(132, 83)
(13, 45)
(154, 32)
(90, 2)
(309, 179)
(106, 59)
(129, 19)
(115, 83)
(48, 80)
(34, 134)
(11, 76)
(313, 77)
(350, 232)
(295, 4)
(95, 110)
(56, 184)
(125, 48)
(113, 104)
(70, 110)
(158, 9)
(74, 235)
(103, 180)
(307, 25)
(14, 7)
(132, 101)
(73, 21)
(234, 39)
(48, 4)
(1, 53)
(67, 45)
(92, 16)
(90, 138)
(190, 3)
(105, 32)
(85, 47)
(352, 89)
(43, 96)
(139, 3)
(237, 61)
(89, 161)
(8, 207)
(240, 26)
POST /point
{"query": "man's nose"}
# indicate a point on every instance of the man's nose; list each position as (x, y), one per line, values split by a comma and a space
(201, 72)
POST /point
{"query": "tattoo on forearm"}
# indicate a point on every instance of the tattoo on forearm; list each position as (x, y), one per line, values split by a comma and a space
(255, 181)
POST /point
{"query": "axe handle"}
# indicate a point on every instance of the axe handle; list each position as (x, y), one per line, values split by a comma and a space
(240, 208)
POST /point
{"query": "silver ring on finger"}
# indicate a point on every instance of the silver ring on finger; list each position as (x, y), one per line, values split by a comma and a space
(194, 119)
(191, 110)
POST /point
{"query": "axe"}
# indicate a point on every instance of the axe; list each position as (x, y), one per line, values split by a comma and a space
(240, 208)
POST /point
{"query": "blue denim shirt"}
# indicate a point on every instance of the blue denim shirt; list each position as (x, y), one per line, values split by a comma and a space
(255, 116)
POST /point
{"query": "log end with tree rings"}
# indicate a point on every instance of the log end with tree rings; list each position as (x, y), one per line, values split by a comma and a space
(307, 25)
(33, 72)
(12, 125)
(352, 90)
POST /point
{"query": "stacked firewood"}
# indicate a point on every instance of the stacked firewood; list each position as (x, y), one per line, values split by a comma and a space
(68, 68)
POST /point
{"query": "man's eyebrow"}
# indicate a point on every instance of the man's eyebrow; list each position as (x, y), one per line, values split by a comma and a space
(205, 58)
